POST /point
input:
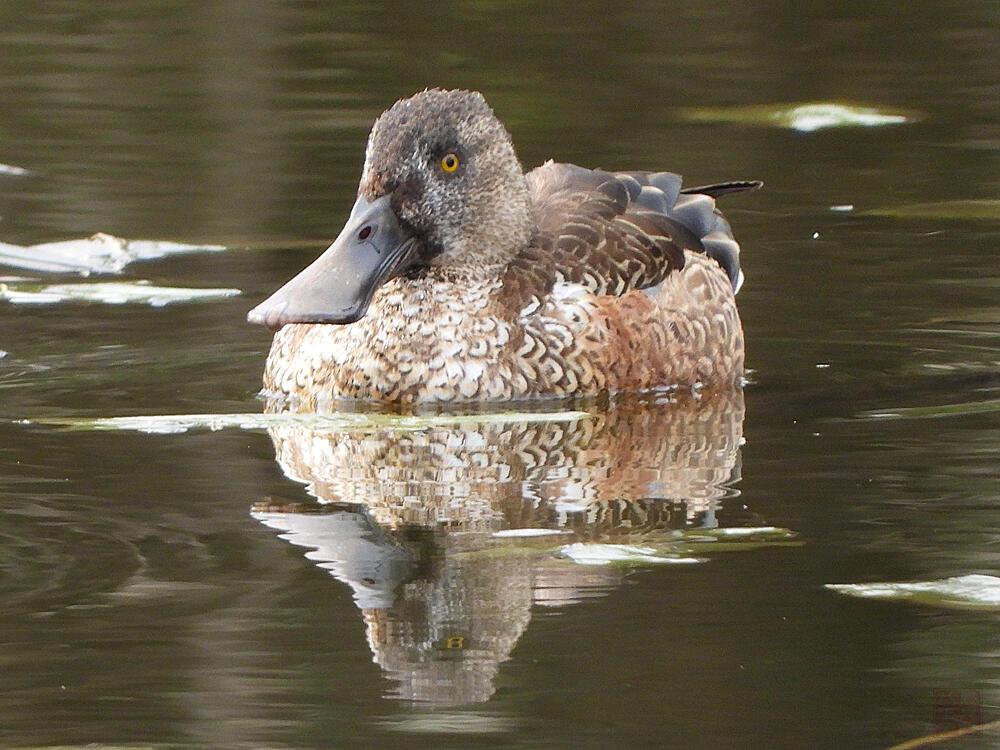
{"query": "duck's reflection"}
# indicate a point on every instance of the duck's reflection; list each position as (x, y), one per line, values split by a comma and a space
(425, 524)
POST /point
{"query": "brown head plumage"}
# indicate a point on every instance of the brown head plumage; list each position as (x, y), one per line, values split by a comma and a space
(454, 177)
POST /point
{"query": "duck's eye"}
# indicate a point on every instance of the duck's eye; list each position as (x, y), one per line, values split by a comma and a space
(365, 233)
(449, 163)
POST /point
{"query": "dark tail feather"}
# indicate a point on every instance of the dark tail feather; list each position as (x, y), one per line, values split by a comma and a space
(724, 188)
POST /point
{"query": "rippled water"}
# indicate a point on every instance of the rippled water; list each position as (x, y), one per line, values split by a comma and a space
(243, 583)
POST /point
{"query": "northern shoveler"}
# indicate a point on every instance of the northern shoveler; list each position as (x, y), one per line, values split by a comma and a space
(460, 277)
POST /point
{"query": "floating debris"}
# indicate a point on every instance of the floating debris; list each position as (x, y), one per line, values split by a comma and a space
(507, 533)
(177, 423)
(728, 531)
(604, 554)
(109, 293)
(959, 210)
(734, 539)
(13, 171)
(100, 253)
(972, 591)
(934, 411)
(842, 208)
(440, 722)
(805, 118)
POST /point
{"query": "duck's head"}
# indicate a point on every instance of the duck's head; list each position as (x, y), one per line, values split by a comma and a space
(441, 191)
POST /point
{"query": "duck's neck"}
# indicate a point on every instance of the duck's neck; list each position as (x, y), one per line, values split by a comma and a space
(471, 273)
(491, 232)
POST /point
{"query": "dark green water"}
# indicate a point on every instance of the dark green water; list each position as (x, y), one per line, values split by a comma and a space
(155, 590)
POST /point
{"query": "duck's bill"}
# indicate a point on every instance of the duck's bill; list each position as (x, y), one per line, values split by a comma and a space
(338, 286)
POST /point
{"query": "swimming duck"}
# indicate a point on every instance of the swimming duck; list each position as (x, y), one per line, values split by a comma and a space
(460, 277)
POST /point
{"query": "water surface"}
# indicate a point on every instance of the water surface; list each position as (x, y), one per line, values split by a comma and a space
(306, 586)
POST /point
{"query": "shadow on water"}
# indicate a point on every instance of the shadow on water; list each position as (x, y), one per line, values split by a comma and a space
(448, 536)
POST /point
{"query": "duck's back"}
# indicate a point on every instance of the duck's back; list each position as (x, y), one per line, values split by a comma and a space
(618, 231)
(629, 285)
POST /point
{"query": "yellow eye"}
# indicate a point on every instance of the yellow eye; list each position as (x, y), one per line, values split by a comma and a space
(449, 163)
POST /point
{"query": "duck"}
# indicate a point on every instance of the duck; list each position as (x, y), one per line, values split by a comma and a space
(459, 276)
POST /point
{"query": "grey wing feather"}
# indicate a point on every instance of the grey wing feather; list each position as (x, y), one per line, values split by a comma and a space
(724, 188)
(616, 231)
